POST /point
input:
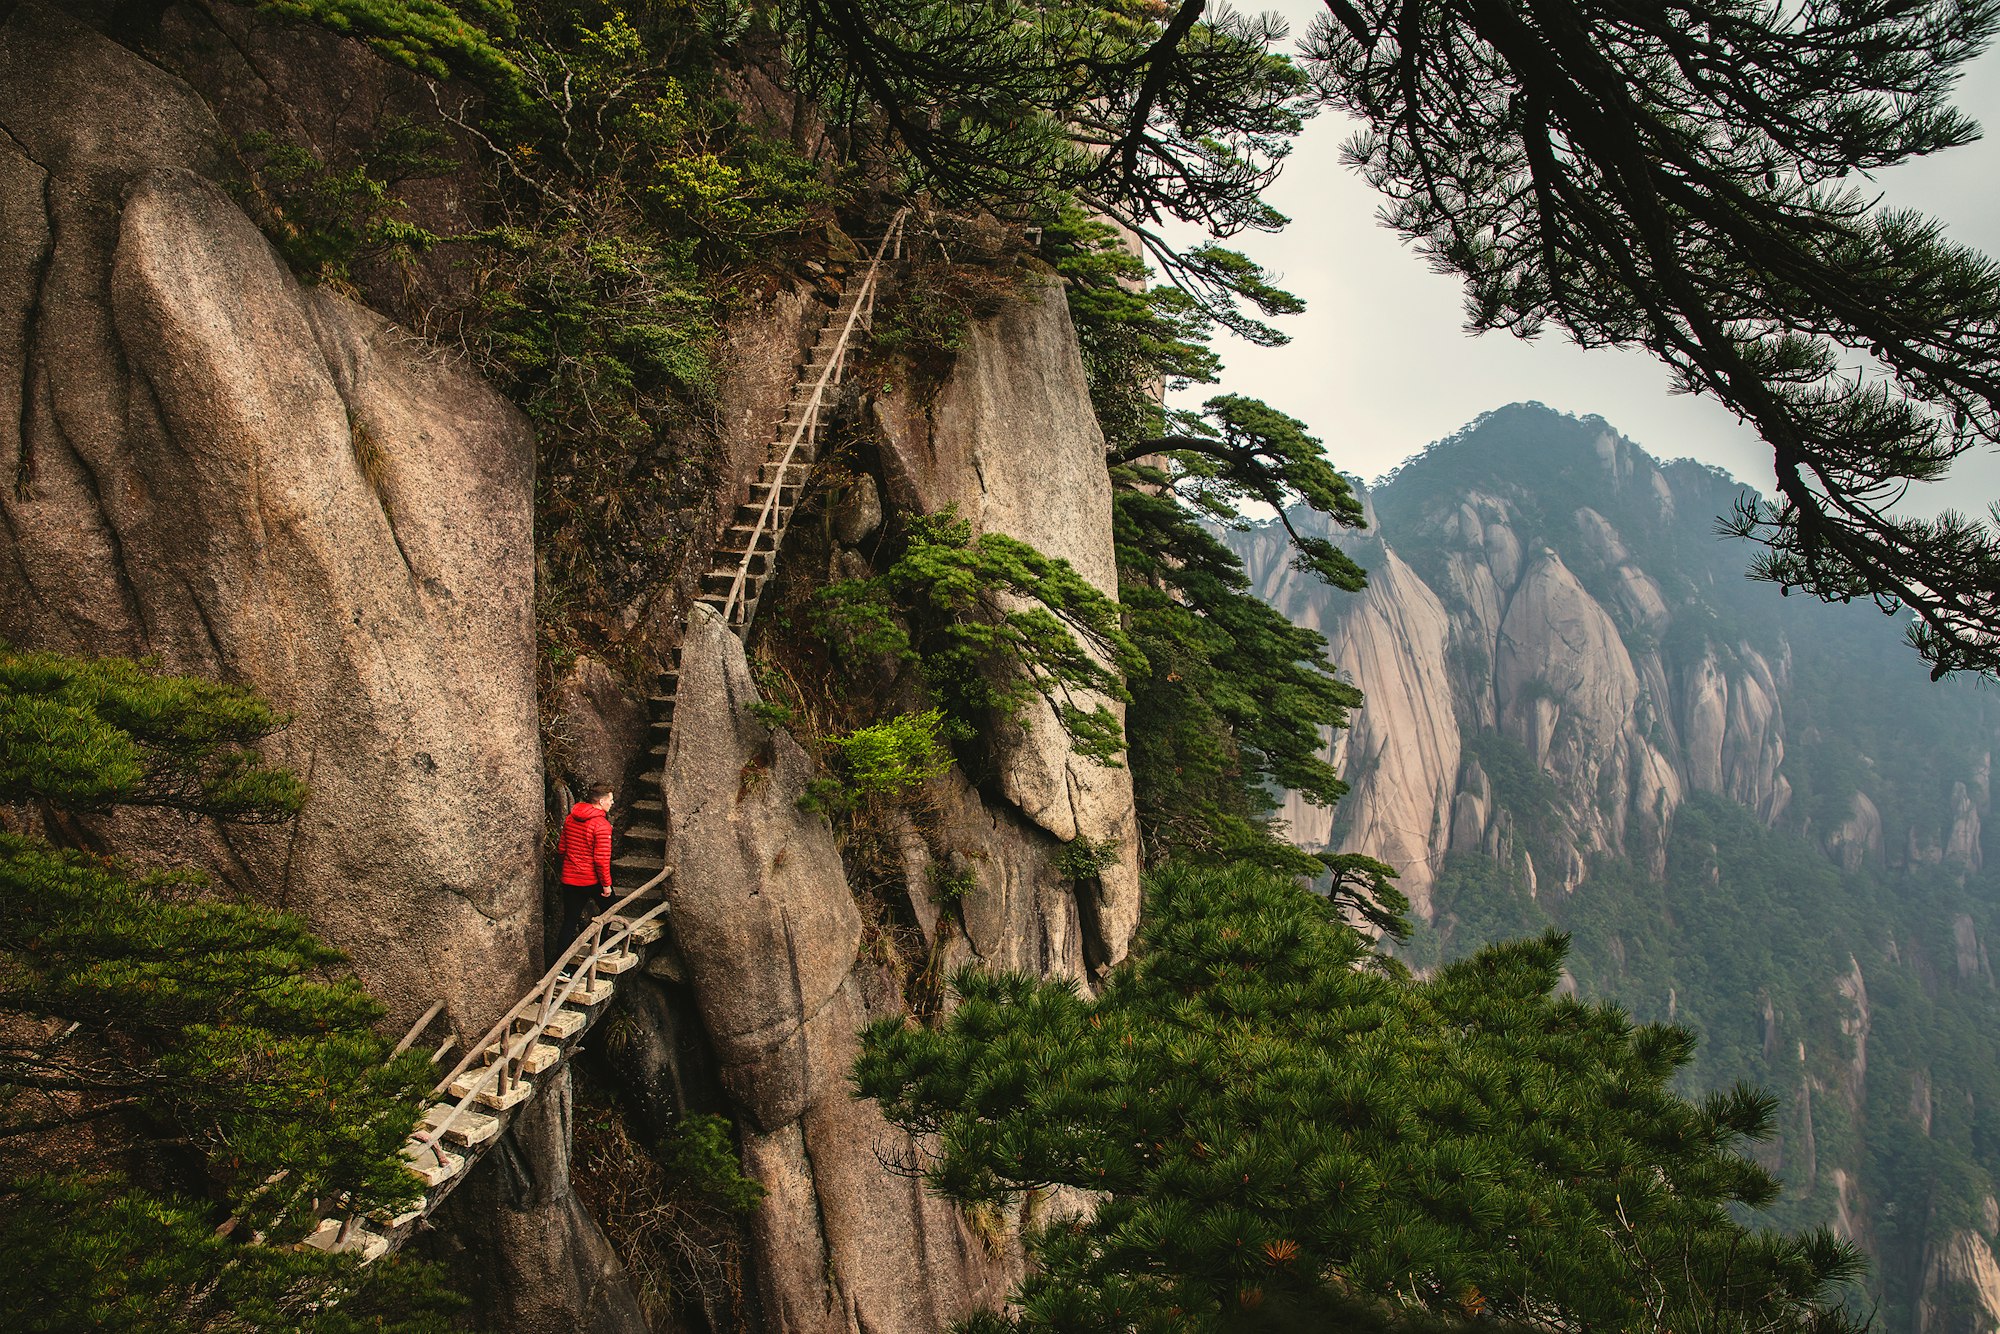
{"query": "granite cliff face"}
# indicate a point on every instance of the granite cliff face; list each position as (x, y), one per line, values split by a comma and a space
(277, 485)
(1754, 816)
(1546, 631)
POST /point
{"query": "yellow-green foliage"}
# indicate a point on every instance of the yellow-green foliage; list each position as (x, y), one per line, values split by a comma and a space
(429, 36)
(893, 756)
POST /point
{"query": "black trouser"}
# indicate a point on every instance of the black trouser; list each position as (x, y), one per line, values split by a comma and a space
(580, 904)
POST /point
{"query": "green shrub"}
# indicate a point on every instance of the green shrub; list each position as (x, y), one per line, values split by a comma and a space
(325, 221)
(948, 886)
(992, 624)
(1085, 858)
(891, 757)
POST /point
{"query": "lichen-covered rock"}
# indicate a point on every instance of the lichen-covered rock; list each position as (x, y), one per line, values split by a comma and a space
(597, 725)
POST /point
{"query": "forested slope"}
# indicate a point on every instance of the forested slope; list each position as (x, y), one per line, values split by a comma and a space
(1755, 816)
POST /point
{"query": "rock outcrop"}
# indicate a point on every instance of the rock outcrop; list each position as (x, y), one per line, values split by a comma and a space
(1555, 642)
(772, 935)
(1010, 442)
(274, 486)
(1401, 755)
(271, 485)
(1961, 1288)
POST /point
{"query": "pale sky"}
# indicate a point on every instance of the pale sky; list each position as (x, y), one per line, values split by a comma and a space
(1379, 364)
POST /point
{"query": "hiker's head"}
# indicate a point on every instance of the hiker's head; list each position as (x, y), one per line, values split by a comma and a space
(600, 795)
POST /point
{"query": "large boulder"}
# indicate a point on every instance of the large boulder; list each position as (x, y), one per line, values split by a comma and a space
(271, 485)
(274, 486)
(771, 936)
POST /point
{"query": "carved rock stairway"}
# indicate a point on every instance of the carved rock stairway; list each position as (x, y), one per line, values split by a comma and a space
(532, 1042)
(747, 555)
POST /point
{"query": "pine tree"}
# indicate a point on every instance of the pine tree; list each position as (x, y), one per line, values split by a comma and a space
(199, 1061)
(1275, 1123)
(1682, 178)
(1678, 178)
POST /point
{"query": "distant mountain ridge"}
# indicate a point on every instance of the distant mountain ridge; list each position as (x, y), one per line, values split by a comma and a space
(1581, 714)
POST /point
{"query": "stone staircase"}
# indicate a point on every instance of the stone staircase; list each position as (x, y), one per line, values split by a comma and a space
(532, 1042)
(747, 555)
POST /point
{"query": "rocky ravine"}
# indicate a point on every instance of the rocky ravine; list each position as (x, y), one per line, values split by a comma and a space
(276, 485)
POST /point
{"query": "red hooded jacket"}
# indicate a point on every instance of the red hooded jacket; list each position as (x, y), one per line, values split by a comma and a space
(586, 846)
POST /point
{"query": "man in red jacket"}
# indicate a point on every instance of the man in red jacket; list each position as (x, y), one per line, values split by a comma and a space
(585, 848)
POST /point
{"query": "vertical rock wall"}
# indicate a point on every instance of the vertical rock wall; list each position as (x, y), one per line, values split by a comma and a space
(1010, 442)
(274, 486)
(774, 946)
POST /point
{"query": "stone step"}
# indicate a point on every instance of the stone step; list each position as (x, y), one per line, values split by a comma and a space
(468, 1128)
(650, 834)
(431, 1167)
(645, 933)
(793, 473)
(393, 1224)
(721, 581)
(592, 991)
(661, 701)
(563, 1025)
(781, 514)
(638, 864)
(539, 1057)
(646, 808)
(727, 563)
(611, 965)
(362, 1240)
(491, 1095)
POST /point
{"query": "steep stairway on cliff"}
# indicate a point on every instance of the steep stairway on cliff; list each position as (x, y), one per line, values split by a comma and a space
(747, 556)
(500, 1073)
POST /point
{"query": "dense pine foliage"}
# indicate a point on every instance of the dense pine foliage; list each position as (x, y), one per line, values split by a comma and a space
(1274, 1122)
(178, 1073)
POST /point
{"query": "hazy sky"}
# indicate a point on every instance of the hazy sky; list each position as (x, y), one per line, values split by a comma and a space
(1379, 365)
